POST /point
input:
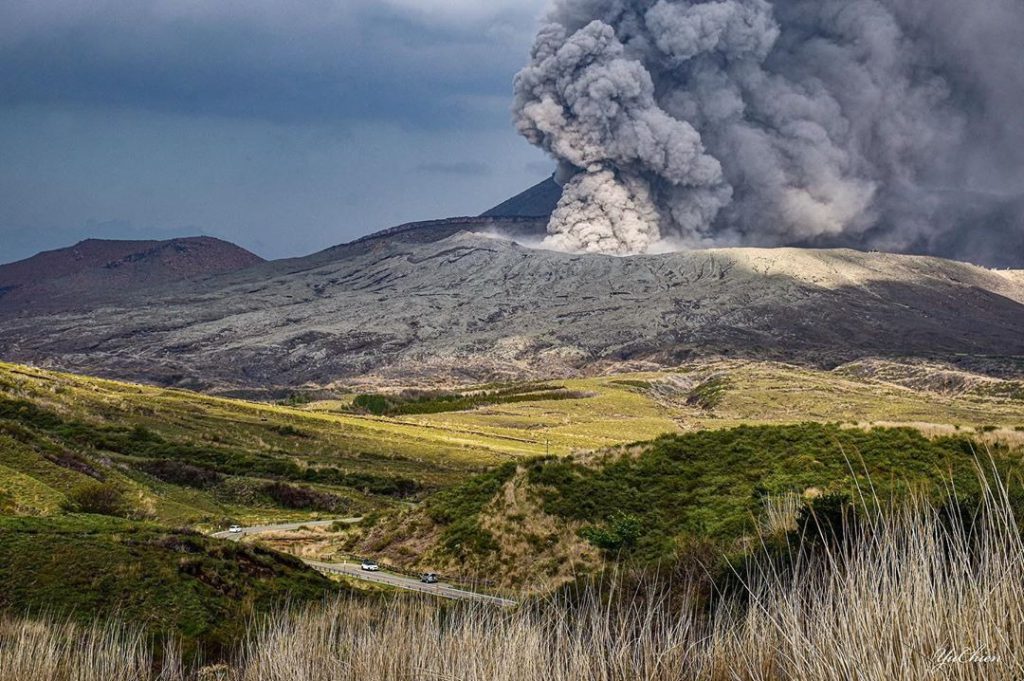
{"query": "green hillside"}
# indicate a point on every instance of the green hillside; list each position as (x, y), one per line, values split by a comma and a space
(544, 521)
(174, 582)
(188, 459)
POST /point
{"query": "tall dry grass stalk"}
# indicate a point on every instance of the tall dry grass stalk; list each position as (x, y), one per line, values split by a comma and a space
(780, 513)
(51, 650)
(922, 595)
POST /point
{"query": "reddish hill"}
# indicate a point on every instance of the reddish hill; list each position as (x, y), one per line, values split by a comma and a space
(96, 269)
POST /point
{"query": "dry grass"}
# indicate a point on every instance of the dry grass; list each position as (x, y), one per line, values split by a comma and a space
(780, 514)
(62, 651)
(919, 597)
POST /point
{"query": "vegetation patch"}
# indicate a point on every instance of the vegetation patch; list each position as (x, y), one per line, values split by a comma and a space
(171, 581)
(98, 498)
(180, 473)
(459, 510)
(412, 402)
(711, 483)
(708, 394)
(303, 498)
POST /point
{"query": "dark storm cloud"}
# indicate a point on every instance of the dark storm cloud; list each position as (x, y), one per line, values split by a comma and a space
(283, 126)
(288, 63)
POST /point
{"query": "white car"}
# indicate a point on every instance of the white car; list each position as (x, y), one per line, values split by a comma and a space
(370, 566)
(235, 529)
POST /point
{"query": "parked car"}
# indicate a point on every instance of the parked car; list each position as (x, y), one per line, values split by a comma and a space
(429, 578)
(370, 566)
(235, 529)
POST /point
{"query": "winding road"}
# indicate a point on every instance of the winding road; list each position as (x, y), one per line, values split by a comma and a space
(282, 527)
(355, 571)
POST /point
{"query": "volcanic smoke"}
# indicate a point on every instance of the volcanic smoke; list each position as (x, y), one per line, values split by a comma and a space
(869, 123)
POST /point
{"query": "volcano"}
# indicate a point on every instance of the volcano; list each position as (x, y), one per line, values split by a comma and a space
(449, 301)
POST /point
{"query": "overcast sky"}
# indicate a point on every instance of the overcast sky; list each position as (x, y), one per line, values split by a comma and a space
(283, 126)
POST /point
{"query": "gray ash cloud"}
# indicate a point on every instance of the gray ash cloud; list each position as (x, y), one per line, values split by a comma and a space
(890, 124)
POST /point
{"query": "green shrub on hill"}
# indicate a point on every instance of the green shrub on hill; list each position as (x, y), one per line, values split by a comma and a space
(459, 509)
(171, 581)
(99, 499)
(708, 483)
(412, 402)
(711, 484)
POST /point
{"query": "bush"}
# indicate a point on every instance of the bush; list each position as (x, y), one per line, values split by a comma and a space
(370, 483)
(97, 498)
(435, 402)
(178, 473)
(303, 498)
(620, 536)
(710, 484)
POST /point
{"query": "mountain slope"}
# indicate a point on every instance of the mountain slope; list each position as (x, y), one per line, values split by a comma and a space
(539, 200)
(96, 270)
(173, 582)
(472, 307)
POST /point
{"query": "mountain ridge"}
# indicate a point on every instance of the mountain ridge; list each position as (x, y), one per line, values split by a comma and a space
(94, 270)
(399, 309)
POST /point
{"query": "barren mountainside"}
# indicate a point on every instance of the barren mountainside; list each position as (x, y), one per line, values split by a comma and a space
(439, 301)
(97, 269)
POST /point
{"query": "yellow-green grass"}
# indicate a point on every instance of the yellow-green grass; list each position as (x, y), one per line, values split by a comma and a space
(21, 494)
(756, 393)
(438, 449)
(32, 484)
(206, 418)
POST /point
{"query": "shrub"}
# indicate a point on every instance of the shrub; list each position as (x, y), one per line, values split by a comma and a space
(178, 473)
(826, 520)
(435, 402)
(304, 498)
(97, 498)
(619, 536)
(369, 483)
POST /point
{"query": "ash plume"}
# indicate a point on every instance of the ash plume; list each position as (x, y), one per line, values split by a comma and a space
(891, 124)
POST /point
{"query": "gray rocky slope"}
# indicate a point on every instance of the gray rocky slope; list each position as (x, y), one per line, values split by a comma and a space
(437, 301)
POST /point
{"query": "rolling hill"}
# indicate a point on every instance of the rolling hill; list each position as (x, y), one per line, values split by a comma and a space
(83, 275)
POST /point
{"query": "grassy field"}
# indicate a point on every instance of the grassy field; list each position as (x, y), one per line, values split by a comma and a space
(192, 459)
(186, 458)
(641, 406)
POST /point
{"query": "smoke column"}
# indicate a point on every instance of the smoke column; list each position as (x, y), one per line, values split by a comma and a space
(890, 124)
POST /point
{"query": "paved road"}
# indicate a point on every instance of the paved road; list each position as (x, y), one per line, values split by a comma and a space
(353, 569)
(283, 527)
(408, 583)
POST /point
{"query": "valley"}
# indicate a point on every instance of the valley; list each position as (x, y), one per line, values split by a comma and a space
(451, 480)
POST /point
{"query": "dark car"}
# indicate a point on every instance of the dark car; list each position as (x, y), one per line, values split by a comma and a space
(429, 578)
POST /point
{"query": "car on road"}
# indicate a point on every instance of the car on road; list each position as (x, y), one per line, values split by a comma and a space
(235, 529)
(429, 578)
(370, 566)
